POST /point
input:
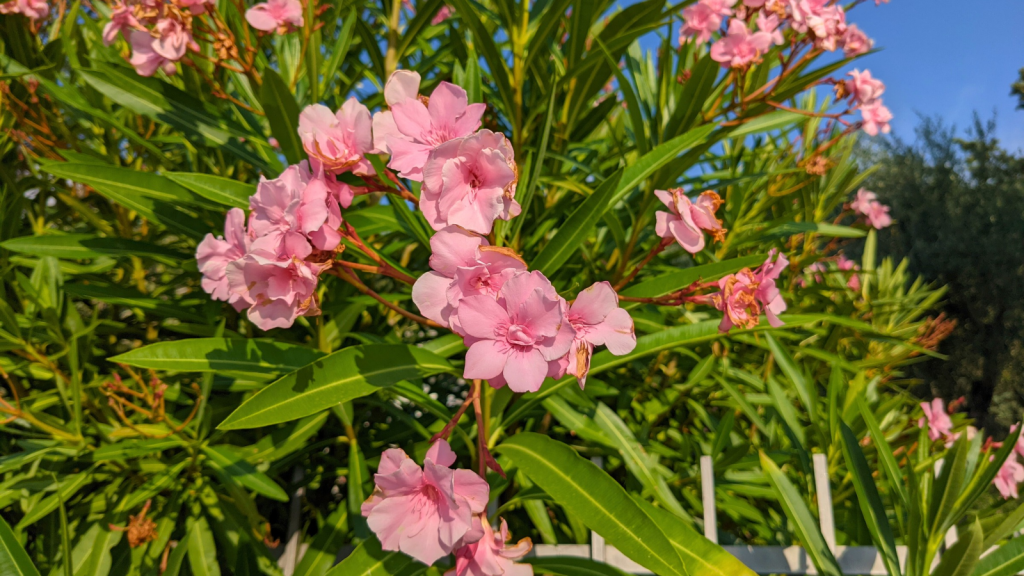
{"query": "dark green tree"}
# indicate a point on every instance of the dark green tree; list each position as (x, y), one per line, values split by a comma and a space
(959, 209)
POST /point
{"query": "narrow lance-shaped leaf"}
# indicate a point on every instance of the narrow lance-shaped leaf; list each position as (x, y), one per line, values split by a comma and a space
(13, 558)
(282, 114)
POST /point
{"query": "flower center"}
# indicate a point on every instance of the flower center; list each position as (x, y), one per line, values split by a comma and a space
(519, 335)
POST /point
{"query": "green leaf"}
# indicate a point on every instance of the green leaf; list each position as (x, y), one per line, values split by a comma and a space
(1007, 560)
(795, 375)
(282, 114)
(339, 377)
(1007, 524)
(598, 500)
(133, 299)
(568, 566)
(641, 464)
(319, 557)
(806, 525)
(255, 357)
(134, 448)
(577, 227)
(202, 552)
(871, 506)
(656, 159)
(885, 452)
(791, 228)
(14, 561)
(67, 488)
(87, 246)
(373, 220)
(99, 561)
(484, 42)
(673, 281)
(217, 189)
(767, 123)
(340, 49)
(962, 557)
(369, 560)
(700, 556)
(244, 473)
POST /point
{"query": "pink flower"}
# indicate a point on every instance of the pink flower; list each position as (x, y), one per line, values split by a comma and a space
(277, 289)
(196, 7)
(687, 220)
(846, 265)
(856, 42)
(596, 318)
(31, 9)
(122, 18)
(875, 118)
(1010, 474)
(938, 421)
(491, 555)
(296, 209)
(826, 22)
(876, 213)
(401, 86)
(214, 253)
(145, 58)
(280, 15)
(424, 512)
(413, 128)
(703, 19)
(864, 89)
(517, 336)
(463, 265)
(469, 182)
(443, 14)
(753, 3)
(173, 39)
(337, 142)
(743, 295)
(740, 47)
(769, 24)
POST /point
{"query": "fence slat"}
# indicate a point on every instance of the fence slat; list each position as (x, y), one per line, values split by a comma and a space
(824, 491)
(707, 488)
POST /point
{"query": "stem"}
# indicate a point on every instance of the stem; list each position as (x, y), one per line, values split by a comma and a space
(349, 276)
(655, 250)
(481, 431)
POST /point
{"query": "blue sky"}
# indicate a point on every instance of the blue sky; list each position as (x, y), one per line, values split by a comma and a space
(946, 58)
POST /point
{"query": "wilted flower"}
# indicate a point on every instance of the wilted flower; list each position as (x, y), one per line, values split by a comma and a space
(597, 320)
(686, 221)
(424, 512)
(492, 556)
(280, 15)
(517, 335)
(469, 182)
(337, 142)
(743, 295)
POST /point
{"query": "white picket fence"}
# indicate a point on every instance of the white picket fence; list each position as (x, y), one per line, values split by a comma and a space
(854, 560)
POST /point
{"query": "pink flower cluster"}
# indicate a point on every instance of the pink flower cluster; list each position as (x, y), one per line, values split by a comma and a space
(31, 9)
(865, 94)
(271, 267)
(742, 296)
(843, 264)
(159, 33)
(686, 221)
(1011, 473)
(937, 422)
(866, 204)
(432, 511)
(518, 329)
(739, 46)
(281, 16)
